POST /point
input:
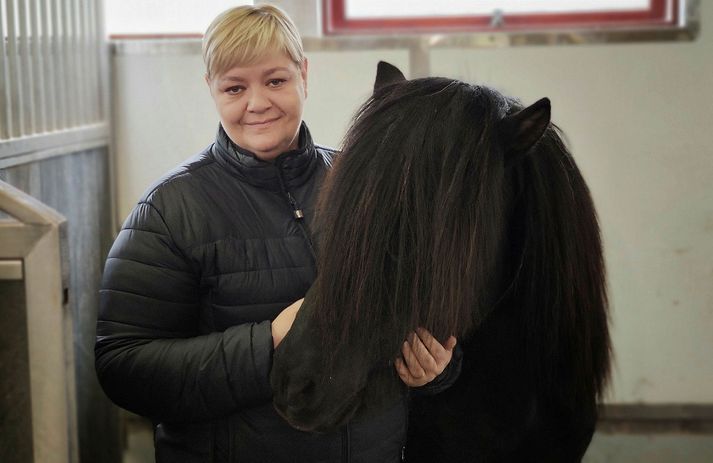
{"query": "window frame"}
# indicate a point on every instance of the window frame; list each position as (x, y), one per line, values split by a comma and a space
(335, 22)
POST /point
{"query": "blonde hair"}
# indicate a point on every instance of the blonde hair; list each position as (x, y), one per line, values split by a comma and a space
(244, 34)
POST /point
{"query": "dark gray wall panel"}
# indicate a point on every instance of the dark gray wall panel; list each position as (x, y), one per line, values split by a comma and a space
(15, 412)
(77, 186)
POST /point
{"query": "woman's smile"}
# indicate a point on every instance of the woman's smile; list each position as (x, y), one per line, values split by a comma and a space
(262, 124)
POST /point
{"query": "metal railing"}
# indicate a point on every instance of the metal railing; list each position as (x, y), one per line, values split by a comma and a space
(50, 67)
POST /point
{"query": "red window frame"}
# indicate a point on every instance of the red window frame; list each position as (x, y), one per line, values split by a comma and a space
(336, 22)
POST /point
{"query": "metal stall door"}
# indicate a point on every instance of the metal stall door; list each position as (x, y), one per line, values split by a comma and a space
(54, 145)
(37, 391)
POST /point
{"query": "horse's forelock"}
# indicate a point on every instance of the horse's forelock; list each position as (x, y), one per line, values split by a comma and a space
(420, 226)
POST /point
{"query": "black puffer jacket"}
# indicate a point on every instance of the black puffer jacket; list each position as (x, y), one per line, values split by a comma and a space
(207, 258)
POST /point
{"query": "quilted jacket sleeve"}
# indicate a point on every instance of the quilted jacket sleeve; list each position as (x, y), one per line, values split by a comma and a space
(150, 358)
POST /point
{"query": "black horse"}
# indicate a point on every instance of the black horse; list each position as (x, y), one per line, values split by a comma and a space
(456, 209)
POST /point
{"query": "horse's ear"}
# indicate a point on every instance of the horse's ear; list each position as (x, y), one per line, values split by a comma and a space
(387, 74)
(524, 128)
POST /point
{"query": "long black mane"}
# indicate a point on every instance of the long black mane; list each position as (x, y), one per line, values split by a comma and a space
(408, 217)
(456, 209)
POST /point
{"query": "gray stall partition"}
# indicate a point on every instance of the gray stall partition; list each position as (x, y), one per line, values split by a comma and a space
(37, 393)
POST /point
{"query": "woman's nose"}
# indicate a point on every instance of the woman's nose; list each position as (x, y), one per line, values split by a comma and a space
(258, 101)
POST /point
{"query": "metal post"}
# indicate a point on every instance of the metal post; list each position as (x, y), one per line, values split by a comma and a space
(5, 125)
(47, 58)
(76, 78)
(38, 68)
(26, 74)
(15, 108)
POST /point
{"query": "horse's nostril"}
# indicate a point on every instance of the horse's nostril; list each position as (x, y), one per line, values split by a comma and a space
(297, 388)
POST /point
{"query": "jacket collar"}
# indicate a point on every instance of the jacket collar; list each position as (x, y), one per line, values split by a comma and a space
(290, 169)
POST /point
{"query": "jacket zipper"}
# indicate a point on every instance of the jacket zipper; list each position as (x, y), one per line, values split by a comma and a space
(297, 213)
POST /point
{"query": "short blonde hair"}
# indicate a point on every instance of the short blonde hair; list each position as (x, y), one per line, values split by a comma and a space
(242, 35)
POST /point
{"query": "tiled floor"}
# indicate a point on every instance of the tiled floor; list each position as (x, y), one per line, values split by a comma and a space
(605, 448)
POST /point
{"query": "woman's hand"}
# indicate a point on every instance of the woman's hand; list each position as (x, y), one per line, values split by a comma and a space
(283, 322)
(424, 358)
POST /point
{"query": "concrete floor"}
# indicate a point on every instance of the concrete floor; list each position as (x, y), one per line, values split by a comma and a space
(650, 448)
(139, 442)
(605, 448)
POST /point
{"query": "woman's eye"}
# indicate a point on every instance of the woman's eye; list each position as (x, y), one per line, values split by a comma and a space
(275, 82)
(233, 90)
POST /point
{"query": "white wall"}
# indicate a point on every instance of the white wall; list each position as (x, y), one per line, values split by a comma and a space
(163, 113)
(638, 118)
(338, 84)
(163, 16)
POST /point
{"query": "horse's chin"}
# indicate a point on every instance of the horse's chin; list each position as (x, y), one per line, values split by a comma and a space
(315, 415)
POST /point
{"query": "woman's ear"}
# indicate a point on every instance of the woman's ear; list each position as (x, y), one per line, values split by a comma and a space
(303, 72)
(209, 82)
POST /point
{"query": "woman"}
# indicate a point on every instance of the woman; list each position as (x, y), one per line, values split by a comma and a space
(196, 282)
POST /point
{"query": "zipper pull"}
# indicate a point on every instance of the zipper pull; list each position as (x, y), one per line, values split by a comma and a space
(296, 211)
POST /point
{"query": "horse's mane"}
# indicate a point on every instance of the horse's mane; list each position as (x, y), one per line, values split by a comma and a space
(450, 201)
(410, 219)
(414, 217)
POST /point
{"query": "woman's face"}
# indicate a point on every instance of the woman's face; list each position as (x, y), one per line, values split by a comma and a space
(260, 105)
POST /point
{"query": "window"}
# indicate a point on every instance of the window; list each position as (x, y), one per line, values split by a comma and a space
(377, 16)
